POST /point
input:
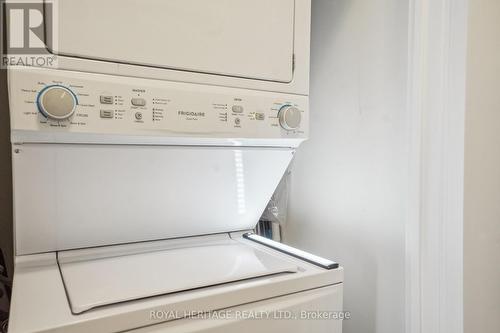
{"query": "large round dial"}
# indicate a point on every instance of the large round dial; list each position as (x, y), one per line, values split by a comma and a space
(57, 102)
(289, 117)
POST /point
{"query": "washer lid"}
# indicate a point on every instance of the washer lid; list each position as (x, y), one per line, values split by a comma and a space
(110, 276)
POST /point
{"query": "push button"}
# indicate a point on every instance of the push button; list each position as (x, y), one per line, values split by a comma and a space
(138, 101)
(259, 116)
(106, 114)
(106, 99)
(237, 108)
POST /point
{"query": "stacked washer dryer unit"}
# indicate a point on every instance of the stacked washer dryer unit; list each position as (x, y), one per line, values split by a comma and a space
(139, 173)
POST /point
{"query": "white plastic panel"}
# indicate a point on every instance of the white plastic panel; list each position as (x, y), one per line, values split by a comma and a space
(243, 38)
(108, 280)
(72, 196)
(326, 301)
(169, 113)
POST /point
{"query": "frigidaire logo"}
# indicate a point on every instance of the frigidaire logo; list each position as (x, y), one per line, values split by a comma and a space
(191, 114)
(30, 33)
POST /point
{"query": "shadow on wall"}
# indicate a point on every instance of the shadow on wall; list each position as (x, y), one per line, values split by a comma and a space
(363, 278)
(348, 180)
(362, 304)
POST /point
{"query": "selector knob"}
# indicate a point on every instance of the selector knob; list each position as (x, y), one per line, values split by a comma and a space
(57, 102)
(289, 117)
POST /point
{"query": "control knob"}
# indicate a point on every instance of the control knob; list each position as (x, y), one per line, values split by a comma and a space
(57, 102)
(289, 117)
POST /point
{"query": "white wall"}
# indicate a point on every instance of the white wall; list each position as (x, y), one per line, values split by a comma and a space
(349, 180)
(482, 170)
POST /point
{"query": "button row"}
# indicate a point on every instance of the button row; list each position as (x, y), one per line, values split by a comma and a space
(138, 116)
(137, 101)
(110, 114)
(106, 99)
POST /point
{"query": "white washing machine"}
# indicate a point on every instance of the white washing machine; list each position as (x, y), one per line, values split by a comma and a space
(139, 173)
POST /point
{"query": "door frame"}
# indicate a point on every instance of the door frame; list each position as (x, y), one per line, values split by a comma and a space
(436, 105)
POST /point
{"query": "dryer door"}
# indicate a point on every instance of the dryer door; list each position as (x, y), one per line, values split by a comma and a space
(240, 38)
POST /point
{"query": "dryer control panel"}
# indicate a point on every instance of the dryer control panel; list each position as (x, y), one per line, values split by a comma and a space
(57, 101)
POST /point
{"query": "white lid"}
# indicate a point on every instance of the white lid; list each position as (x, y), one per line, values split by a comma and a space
(109, 279)
(94, 195)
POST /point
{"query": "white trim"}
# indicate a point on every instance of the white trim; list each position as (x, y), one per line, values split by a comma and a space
(436, 105)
